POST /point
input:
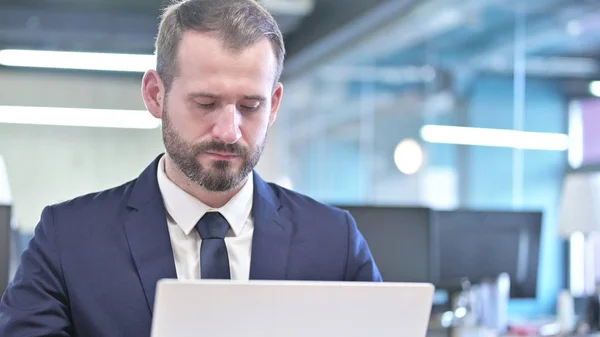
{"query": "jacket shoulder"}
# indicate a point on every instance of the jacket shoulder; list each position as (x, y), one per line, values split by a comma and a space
(96, 202)
(303, 206)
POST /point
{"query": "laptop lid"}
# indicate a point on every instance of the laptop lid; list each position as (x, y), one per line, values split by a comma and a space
(291, 309)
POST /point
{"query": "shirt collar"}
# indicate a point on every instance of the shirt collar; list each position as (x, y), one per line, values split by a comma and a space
(186, 211)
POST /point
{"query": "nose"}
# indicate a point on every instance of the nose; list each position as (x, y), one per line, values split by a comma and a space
(227, 126)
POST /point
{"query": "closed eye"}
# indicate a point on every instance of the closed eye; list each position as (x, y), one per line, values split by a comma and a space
(206, 106)
(249, 108)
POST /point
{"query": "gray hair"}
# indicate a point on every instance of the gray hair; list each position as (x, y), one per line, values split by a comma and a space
(238, 23)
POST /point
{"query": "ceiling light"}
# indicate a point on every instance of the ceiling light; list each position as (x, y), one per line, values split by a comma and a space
(129, 119)
(76, 60)
(575, 156)
(574, 28)
(408, 156)
(595, 88)
(458, 135)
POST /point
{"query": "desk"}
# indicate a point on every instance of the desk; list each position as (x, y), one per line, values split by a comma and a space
(445, 333)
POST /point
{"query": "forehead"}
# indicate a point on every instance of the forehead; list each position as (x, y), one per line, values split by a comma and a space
(202, 57)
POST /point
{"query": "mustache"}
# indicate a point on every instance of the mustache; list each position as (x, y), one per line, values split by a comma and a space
(215, 146)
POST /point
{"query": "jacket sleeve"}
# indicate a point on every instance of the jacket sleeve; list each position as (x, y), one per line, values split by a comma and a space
(360, 264)
(35, 302)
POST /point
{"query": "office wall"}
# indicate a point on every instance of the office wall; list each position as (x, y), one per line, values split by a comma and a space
(590, 111)
(330, 171)
(338, 172)
(489, 175)
(458, 176)
(52, 164)
(49, 164)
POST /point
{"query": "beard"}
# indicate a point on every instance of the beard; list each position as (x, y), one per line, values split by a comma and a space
(218, 176)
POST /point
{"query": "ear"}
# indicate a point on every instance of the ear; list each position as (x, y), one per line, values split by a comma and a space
(153, 92)
(275, 102)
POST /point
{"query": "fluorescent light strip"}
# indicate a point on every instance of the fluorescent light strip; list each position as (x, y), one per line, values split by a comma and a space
(128, 119)
(458, 135)
(595, 88)
(77, 60)
(575, 155)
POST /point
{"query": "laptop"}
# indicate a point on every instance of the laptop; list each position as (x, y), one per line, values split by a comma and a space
(290, 309)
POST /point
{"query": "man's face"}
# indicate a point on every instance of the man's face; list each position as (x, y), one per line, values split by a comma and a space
(217, 113)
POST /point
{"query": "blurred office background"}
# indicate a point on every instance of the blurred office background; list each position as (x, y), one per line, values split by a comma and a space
(443, 104)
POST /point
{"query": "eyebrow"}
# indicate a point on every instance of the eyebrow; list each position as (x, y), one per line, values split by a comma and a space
(255, 98)
(202, 95)
(213, 96)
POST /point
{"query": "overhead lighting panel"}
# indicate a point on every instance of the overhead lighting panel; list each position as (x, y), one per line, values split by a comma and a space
(595, 88)
(125, 119)
(446, 134)
(77, 60)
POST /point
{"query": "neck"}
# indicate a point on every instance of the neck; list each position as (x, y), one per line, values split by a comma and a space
(210, 198)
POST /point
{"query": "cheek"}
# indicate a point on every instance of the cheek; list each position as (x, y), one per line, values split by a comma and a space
(253, 131)
(186, 122)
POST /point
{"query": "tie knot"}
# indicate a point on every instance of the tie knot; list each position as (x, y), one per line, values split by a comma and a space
(212, 226)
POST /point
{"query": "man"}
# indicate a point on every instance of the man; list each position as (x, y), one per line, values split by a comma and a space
(199, 211)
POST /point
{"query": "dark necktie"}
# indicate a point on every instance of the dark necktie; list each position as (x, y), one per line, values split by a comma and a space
(214, 262)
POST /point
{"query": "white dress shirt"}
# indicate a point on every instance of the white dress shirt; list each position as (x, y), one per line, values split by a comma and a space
(183, 213)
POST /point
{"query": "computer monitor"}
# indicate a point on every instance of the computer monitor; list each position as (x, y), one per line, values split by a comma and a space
(5, 245)
(399, 239)
(479, 245)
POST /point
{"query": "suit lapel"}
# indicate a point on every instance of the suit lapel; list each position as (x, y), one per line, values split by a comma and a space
(148, 234)
(150, 244)
(272, 235)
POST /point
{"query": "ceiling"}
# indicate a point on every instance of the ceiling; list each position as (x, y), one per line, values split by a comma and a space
(130, 26)
(483, 33)
(147, 6)
(127, 26)
(383, 32)
(558, 40)
(387, 67)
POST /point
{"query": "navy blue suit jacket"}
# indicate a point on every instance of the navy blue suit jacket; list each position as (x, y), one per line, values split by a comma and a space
(91, 268)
